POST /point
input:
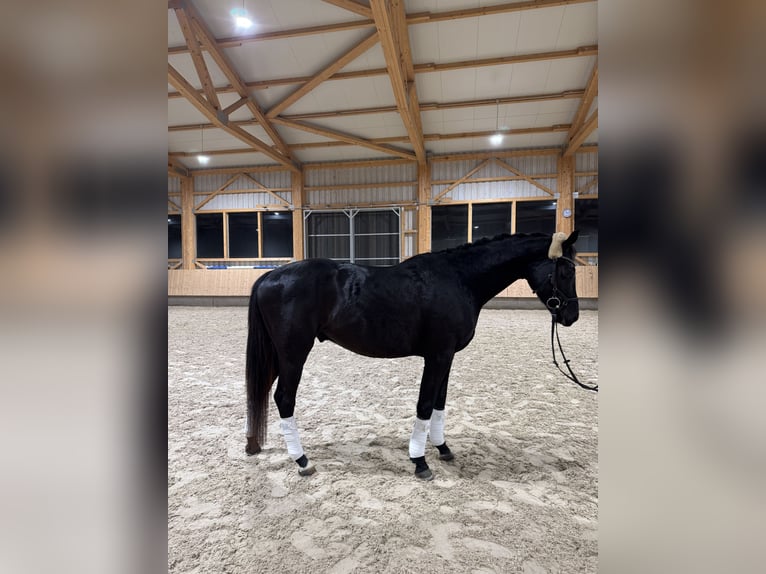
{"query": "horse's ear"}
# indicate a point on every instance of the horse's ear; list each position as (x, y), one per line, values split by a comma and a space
(571, 239)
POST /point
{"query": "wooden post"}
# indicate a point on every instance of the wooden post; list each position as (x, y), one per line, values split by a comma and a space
(297, 202)
(424, 207)
(565, 203)
(470, 222)
(188, 228)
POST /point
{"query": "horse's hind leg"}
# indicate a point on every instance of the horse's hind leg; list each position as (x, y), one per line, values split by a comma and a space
(436, 433)
(434, 372)
(290, 370)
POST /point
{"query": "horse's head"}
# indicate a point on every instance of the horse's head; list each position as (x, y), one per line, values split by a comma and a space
(553, 279)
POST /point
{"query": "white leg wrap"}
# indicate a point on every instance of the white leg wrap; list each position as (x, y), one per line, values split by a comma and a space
(290, 431)
(437, 428)
(249, 430)
(418, 438)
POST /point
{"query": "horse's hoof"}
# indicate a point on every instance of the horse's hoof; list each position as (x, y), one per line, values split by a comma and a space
(444, 452)
(425, 474)
(252, 447)
(308, 470)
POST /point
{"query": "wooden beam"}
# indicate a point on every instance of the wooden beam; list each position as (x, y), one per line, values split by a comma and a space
(429, 137)
(424, 207)
(566, 167)
(390, 21)
(435, 106)
(528, 179)
(431, 67)
(534, 152)
(347, 138)
(590, 124)
(412, 19)
(461, 180)
(223, 62)
(352, 6)
(206, 109)
(355, 163)
(235, 106)
(176, 168)
(590, 92)
(424, 107)
(495, 179)
(351, 55)
(298, 200)
(196, 56)
(188, 223)
(428, 17)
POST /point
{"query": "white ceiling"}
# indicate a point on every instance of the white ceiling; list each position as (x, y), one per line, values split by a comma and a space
(463, 39)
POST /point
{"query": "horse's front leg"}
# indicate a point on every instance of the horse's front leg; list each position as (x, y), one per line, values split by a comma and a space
(435, 370)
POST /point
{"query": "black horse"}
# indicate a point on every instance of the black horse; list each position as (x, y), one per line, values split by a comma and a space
(427, 305)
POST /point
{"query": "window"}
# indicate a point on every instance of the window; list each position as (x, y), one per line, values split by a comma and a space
(328, 235)
(449, 226)
(376, 238)
(209, 235)
(174, 237)
(366, 237)
(491, 219)
(243, 235)
(536, 216)
(586, 221)
(277, 234)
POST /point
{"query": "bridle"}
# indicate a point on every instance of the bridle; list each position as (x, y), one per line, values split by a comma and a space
(555, 303)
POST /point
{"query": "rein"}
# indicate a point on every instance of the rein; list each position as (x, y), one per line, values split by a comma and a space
(554, 303)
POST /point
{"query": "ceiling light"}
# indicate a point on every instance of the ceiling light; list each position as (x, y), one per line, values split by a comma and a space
(497, 138)
(243, 22)
(201, 157)
(241, 18)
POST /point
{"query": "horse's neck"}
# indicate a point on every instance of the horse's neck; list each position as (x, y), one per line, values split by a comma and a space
(489, 268)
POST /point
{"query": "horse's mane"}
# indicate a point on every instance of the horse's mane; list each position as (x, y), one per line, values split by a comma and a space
(486, 240)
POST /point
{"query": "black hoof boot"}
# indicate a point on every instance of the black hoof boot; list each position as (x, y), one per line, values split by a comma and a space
(444, 452)
(421, 468)
(304, 468)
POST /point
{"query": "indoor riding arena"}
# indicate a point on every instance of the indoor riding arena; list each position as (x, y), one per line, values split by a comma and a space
(372, 133)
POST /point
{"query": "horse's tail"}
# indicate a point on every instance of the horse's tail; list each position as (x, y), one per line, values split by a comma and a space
(261, 369)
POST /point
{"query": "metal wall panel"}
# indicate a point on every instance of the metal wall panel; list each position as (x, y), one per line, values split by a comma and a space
(224, 201)
(586, 162)
(174, 184)
(530, 165)
(277, 179)
(350, 197)
(371, 174)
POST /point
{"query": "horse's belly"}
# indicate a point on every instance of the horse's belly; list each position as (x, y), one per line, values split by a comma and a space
(386, 346)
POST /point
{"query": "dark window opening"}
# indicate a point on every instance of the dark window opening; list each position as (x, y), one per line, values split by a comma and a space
(174, 237)
(243, 235)
(491, 219)
(277, 234)
(449, 226)
(536, 217)
(209, 235)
